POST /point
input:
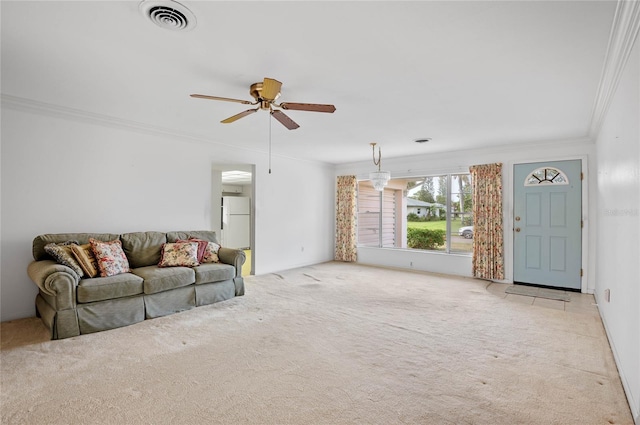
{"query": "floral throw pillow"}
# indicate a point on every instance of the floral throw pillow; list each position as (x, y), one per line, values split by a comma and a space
(63, 255)
(179, 254)
(110, 257)
(211, 253)
(202, 245)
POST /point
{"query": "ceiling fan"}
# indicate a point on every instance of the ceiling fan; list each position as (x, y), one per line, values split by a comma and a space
(265, 94)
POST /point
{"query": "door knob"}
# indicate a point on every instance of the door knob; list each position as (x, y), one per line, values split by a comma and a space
(517, 218)
(517, 229)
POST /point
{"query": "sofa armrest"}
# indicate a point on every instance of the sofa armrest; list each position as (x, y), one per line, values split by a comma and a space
(56, 280)
(235, 257)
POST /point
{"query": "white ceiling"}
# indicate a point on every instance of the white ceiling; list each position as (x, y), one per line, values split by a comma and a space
(466, 74)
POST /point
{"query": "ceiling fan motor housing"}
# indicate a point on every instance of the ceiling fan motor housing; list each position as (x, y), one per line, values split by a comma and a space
(256, 92)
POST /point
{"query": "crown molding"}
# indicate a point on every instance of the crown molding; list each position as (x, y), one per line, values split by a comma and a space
(58, 111)
(624, 31)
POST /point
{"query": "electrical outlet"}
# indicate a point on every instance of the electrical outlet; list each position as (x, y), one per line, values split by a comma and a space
(411, 264)
(607, 295)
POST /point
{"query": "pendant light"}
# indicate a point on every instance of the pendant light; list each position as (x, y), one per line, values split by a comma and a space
(379, 179)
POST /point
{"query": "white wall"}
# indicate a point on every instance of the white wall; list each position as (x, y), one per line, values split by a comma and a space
(618, 236)
(460, 161)
(63, 173)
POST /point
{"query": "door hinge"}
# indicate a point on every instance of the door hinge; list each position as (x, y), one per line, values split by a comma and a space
(582, 224)
(581, 272)
(581, 176)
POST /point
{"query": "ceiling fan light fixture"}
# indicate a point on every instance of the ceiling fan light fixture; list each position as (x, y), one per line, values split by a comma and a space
(423, 140)
(168, 14)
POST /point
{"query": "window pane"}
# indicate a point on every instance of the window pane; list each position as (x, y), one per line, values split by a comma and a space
(426, 213)
(377, 227)
(368, 215)
(388, 218)
(461, 214)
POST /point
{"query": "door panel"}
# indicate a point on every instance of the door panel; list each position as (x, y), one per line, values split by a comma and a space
(547, 224)
(533, 252)
(557, 253)
(558, 210)
(533, 206)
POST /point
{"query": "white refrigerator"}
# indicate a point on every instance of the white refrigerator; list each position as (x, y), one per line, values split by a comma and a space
(236, 223)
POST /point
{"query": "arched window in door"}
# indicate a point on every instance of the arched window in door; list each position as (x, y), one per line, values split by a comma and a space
(546, 175)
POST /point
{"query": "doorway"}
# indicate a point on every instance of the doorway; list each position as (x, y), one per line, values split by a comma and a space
(233, 210)
(547, 221)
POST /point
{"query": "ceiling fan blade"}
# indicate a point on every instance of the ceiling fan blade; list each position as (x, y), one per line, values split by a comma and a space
(226, 99)
(313, 107)
(240, 115)
(285, 120)
(271, 89)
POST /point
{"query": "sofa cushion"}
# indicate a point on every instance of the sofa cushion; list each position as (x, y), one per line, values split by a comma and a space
(143, 248)
(207, 235)
(110, 257)
(108, 288)
(157, 279)
(214, 272)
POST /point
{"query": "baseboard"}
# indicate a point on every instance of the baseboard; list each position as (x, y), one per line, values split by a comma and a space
(634, 405)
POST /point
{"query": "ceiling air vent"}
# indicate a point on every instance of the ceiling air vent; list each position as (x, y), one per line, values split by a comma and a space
(169, 15)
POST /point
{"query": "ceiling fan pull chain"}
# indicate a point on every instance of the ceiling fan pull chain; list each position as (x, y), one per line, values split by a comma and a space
(270, 112)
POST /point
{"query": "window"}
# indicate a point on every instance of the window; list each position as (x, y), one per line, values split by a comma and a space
(426, 213)
(546, 175)
(376, 216)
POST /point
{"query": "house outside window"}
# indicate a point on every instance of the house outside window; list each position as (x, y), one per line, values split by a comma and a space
(425, 213)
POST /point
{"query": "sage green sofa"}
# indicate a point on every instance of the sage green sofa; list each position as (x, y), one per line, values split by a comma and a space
(70, 305)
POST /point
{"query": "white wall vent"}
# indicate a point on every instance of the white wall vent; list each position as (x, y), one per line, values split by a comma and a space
(168, 14)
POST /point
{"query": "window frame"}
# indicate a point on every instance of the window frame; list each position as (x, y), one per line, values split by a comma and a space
(448, 213)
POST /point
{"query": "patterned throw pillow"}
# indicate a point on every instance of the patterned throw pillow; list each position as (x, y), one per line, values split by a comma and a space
(110, 257)
(84, 256)
(62, 254)
(179, 254)
(202, 245)
(211, 253)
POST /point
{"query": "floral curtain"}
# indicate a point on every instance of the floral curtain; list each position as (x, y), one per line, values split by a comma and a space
(488, 242)
(346, 219)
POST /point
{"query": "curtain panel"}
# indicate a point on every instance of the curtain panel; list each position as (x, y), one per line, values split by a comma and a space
(488, 239)
(346, 209)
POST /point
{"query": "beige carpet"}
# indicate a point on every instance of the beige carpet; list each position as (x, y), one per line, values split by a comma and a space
(331, 344)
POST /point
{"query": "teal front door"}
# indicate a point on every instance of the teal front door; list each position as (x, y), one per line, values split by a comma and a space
(547, 224)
